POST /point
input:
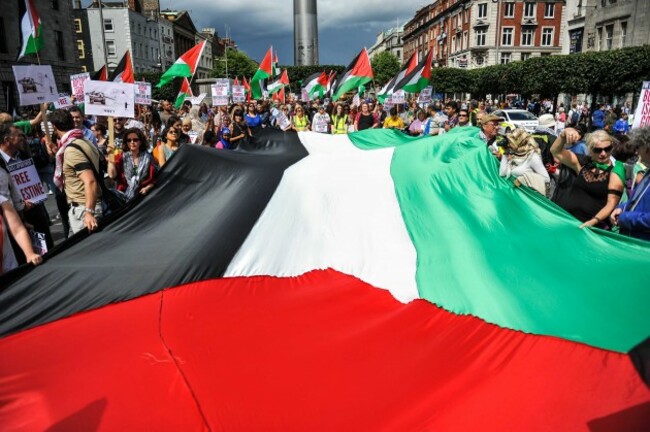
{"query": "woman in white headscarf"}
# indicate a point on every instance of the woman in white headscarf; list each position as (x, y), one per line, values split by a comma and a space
(524, 162)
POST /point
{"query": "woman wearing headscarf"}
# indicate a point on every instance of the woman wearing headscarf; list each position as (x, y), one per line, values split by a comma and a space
(524, 162)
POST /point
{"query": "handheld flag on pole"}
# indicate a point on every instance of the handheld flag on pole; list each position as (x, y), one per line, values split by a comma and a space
(185, 92)
(316, 83)
(279, 83)
(185, 66)
(30, 29)
(418, 78)
(391, 86)
(357, 73)
(124, 70)
(100, 75)
(263, 72)
(276, 67)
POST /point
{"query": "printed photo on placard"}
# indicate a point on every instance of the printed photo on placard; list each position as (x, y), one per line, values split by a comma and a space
(77, 84)
(35, 84)
(143, 93)
(107, 98)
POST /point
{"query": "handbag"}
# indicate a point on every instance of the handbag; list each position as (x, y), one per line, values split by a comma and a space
(112, 200)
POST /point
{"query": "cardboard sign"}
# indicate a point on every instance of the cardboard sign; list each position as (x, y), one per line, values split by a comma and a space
(196, 100)
(142, 93)
(77, 84)
(107, 98)
(642, 113)
(238, 94)
(356, 100)
(27, 180)
(388, 104)
(35, 84)
(193, 136)
(221, 92)
(281, 119)
(39, 244)
(425, 95)
(304, 95)
(63, 101)
(321, 123)
(399, 97)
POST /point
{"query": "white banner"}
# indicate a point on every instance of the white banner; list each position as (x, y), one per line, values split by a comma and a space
(63, 101)
(142, 93)
(221, 92)
(196, 100)
(238, 94)
(27, 180)
(77, 84)
(642, 113)
(35, 84)
(107, 98)
(425, 95)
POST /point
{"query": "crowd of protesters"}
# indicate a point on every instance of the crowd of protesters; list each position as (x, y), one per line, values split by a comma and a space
(588, 163)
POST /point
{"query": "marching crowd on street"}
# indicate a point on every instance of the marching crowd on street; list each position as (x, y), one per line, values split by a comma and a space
(589, 163)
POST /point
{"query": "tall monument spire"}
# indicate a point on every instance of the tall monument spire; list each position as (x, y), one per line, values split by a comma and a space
(305, 33)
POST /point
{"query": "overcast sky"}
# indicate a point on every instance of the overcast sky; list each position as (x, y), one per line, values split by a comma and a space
(344, 26)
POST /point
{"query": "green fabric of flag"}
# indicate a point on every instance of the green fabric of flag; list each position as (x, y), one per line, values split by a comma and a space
(507, 254)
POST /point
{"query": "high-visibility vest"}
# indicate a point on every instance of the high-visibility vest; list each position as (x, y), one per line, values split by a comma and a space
(300, 123)
(339, 123)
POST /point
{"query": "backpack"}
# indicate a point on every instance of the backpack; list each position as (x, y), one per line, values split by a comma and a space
(575, 117)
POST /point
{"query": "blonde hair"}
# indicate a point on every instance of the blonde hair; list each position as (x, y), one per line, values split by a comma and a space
(521, 141)
(597, 136)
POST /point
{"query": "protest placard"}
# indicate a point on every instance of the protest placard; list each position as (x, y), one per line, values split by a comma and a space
(193, 136)
(107, 98)
(304, 95)
(238, 94)
(196, 100)
(282, 120)
(321, 123)
(35, 84)
(77, 84)
(63, 101)
(388, 104)
(143, 93)
(398, 97)
(425, 95)
(27, 180)
(221, 92)
(642, 113)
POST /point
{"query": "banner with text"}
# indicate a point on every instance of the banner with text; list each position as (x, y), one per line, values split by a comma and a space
(27, 180)
(142, 93)
(35, 84)
(77, 84)
(642, 113)
(107, 98)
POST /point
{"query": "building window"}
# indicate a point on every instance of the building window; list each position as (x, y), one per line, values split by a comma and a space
(479, 60)
(81, 52)
(139, 28)
(547, 36)
(599, 41)
(480, 37)
(525, 56)
(505, 58)
(110, 48)
(108, 24)
(60, 47)
(509, 10)
(609, 36)
(506, 36)
(529, 10)
(527, 37)
(84, 69)
(54, 4)
(549, 10)
(397, 54)
(77, 25)
(623, 33)
(3, 36)
(482, 11)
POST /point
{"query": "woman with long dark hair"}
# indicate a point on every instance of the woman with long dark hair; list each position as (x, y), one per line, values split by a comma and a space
(134, 167)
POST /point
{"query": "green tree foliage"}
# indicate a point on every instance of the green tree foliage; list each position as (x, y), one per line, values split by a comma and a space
(297, 74)
(385, 66)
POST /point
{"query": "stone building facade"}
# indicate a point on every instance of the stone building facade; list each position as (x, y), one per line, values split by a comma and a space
(391, 41)
(59, 49)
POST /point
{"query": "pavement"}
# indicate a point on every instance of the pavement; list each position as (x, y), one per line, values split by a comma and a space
(56, 227)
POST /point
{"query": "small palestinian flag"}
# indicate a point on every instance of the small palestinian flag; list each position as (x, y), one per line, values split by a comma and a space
(30, 29)
(357, 73)
(124, 71)
(316, 83)
(185, 92)
(100, 75)
(279, 83)
(247, 88)
(263, 72)
(276, 65)
(418, 78)
(389, 88)
(185, 66)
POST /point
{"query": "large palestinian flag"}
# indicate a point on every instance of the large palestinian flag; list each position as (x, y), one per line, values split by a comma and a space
(358, 73)
(310, 282)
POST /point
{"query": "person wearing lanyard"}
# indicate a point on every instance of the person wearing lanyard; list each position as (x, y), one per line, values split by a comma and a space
(339, 121)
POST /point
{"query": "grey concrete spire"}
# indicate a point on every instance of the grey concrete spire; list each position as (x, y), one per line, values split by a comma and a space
(305, 33)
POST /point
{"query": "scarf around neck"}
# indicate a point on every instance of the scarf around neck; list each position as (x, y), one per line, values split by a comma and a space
(66, 139)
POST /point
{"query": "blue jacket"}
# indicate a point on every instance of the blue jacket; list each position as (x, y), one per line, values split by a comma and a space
(598, 119)
(636, 223)
(621, 126)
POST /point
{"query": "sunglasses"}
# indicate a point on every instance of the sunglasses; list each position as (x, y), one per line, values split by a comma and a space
(599, 150)
(462, 115)
(132, 140)
(174, 131)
